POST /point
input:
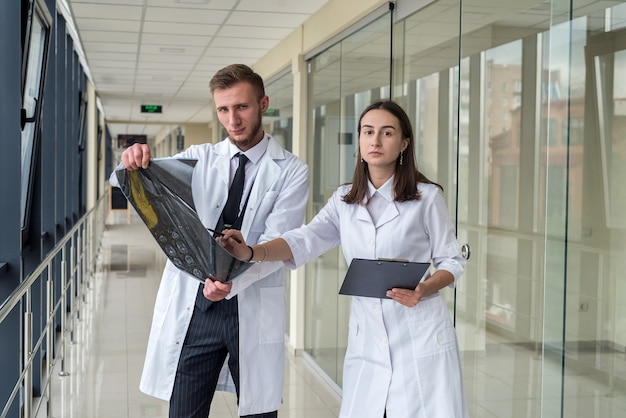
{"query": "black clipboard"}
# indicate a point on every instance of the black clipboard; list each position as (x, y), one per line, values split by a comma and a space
(372, 278)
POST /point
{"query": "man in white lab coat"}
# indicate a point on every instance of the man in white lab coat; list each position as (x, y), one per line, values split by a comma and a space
(237, 326)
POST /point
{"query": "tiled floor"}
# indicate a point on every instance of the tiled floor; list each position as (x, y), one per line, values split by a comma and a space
(104, 363)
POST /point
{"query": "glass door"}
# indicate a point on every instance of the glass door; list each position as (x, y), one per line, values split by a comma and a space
(539, 140)
(526, 107)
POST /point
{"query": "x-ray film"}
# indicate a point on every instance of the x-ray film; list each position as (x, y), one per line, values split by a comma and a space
(161, 195)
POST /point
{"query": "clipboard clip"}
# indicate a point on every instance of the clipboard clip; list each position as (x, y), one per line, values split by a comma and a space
(398, 260)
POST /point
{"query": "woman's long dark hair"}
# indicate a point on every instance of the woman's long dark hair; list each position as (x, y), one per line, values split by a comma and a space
(407, 176)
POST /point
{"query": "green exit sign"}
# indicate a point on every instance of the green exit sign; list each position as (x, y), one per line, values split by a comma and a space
(151, 108)
(272, 112)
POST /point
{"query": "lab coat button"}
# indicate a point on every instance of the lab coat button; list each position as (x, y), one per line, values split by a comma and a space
(440, 338)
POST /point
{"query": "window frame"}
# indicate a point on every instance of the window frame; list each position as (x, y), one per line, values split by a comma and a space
(33, 11)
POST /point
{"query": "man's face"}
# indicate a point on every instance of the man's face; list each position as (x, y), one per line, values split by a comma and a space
(240, 112)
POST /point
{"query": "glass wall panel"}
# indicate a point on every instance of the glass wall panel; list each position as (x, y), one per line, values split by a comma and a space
(322, 275)
(343, 80)
(594, 320)
(426, 52)
(278, 122)
(530, 91)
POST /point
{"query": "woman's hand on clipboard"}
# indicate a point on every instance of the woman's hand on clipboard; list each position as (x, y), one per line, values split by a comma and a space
(407, 297)
(437, 281)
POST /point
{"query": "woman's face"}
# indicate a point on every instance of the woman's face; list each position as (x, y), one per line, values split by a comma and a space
(381, 140)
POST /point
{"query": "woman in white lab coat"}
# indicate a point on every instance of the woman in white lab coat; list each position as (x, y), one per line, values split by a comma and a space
(402, 359)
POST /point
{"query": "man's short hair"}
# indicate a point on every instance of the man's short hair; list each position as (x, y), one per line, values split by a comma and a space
(236, 73)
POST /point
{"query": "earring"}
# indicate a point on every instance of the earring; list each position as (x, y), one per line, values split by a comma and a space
(401, 155)
(361, 158)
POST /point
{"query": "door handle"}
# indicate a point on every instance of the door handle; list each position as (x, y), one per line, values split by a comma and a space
(465, 251)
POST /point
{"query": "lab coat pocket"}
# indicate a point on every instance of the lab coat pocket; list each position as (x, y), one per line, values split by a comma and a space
(355, 335)
(430, 328)
(272, 315)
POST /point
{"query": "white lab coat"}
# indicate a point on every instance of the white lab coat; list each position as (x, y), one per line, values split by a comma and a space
(277, 204)
(399, 359)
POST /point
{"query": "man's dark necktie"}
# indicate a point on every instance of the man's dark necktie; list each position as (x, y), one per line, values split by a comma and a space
(231, 209)
(230, 215)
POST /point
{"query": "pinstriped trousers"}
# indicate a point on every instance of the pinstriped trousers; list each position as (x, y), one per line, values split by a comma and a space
(213, 333)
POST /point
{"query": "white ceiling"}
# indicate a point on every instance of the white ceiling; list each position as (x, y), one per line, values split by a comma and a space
(165, 52)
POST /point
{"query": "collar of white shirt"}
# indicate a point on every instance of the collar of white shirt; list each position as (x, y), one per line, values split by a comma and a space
(254, 154)
(386, 190)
